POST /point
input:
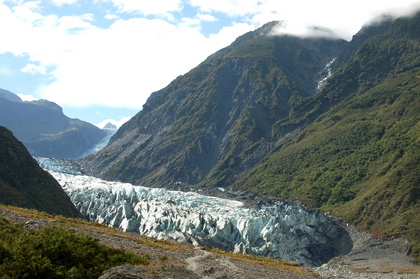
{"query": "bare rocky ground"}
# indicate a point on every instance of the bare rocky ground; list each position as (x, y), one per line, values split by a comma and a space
(370, 258)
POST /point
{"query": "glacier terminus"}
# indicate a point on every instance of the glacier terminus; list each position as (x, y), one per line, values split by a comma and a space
(282, 229)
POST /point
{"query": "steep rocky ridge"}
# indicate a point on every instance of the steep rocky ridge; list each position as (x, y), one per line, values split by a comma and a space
(24, 183)
(45, 130)
(214, 123)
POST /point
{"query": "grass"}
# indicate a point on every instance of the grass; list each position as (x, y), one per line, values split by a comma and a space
(264, 261)
(151, 242)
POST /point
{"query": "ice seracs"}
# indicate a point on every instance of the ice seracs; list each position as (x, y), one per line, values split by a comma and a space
(281, 230)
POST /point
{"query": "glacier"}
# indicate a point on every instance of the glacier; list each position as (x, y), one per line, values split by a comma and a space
(282, 229)
(102, 143)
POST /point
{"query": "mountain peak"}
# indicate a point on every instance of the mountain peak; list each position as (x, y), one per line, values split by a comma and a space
(4, 94)
(44, 129)
(109, 125)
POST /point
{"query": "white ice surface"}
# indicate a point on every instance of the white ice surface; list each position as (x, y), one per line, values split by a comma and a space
(283, 230)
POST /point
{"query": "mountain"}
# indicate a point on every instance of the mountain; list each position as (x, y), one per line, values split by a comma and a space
(358, 156)
(212, 124)
(4, 94)
(109, 125)
(331, 123)
(45, 130)
(24, 183)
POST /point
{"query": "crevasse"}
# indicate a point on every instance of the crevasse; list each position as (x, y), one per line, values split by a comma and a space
(282, 230)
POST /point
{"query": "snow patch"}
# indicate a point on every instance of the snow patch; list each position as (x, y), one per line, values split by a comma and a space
(327, 74)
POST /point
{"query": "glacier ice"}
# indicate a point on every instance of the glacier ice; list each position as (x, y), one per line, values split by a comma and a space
(102, 143)
(280, 230)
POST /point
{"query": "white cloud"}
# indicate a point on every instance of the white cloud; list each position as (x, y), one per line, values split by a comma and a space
(192, 22)
(34, 69)
(122, 65)
(155, 7)
(111, 16)
(117, 123)
(345, 18)
(33, 5)
(229, 7)
(229, 33)
(26, 13)
(75, 22)
(27, 98)
(63, 2)
(206, 17)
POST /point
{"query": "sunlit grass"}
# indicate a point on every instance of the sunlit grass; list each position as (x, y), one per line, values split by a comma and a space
(152, 242)
(264, 261)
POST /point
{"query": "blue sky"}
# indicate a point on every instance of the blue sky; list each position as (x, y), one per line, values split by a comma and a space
(101, 59)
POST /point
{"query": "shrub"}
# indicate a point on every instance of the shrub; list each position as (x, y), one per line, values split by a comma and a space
(56, 252)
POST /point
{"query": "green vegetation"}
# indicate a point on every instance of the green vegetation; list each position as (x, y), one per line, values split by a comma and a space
(56, 252)
(381, 57)
(359, 155)
(24, 183)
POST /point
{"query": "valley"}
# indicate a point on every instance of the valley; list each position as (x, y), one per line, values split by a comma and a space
(368, 258)
(277, 147)
(279, 230)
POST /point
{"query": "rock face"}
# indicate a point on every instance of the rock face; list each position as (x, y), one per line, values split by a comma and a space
(214, 123)
(281, 230)
(45, 130)
(23, 183)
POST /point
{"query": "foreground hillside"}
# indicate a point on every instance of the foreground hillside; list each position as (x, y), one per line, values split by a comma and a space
(155, 259)
(45, 130)
(24, 183)
(164, 259)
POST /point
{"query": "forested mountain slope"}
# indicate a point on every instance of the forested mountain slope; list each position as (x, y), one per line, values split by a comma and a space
(360, 158)
(24, 183)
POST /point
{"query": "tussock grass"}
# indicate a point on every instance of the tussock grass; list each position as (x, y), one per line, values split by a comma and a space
(264, 261)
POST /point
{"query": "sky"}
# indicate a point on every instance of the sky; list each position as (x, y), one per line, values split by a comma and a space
(102, 59)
